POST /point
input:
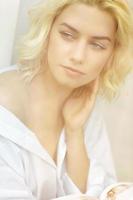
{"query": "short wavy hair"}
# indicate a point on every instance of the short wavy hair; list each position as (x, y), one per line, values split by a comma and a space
(33, 45)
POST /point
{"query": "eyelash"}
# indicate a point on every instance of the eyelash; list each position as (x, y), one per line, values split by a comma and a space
(98, 46)
(67, 35)
(70, 37)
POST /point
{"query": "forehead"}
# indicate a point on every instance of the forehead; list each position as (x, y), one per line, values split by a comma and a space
(87, 19)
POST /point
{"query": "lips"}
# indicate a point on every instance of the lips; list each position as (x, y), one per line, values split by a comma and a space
(75, 70)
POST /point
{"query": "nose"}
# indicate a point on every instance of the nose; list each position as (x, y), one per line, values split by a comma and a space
(78, 53)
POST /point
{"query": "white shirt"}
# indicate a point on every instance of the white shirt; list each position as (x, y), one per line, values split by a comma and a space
(27, 172)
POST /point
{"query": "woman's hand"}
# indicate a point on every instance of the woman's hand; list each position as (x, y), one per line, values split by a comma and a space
(76, 110)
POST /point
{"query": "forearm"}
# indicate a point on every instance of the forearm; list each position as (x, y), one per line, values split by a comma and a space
(77, 161)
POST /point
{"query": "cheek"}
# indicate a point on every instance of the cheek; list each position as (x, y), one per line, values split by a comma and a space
(98, 61)
(56, 47)
(95, 66)
(96, 71)
(93, 73)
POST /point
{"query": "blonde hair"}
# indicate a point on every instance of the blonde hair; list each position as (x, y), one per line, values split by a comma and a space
(32, 49)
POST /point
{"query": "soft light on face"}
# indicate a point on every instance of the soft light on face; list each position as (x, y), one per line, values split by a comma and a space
(82, 38)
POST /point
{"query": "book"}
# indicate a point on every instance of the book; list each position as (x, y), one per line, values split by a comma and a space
(118, 191)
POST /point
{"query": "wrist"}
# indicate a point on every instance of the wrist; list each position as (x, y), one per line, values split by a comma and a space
(74, 136)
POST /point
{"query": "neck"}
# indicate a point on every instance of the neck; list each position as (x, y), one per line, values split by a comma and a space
(46, 87)
(45, 101)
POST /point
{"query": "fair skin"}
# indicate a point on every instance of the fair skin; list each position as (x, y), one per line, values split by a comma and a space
(76, 40)
(81, 37)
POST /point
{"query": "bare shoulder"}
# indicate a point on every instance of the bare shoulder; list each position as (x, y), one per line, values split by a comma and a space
(12, 94)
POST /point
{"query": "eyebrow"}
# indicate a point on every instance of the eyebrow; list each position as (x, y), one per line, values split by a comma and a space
(102, 38)
(70, 27)
(93, 37)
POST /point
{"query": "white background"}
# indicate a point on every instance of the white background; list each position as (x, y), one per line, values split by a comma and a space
(118, 115)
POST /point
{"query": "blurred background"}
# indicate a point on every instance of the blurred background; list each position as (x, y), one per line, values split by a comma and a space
(118, 115)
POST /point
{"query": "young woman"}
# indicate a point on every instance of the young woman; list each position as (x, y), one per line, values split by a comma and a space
(52, 141)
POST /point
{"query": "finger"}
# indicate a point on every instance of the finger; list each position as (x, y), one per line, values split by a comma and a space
(92, 91)
(94, 86)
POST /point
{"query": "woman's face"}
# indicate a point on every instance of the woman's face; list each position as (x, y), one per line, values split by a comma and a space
(82, 38)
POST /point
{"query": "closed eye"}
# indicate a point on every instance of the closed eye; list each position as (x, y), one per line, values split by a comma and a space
(66, 35)
(98, 46)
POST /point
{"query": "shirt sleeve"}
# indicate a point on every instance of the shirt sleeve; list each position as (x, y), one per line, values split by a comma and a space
(12, 183)
(101, 169)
